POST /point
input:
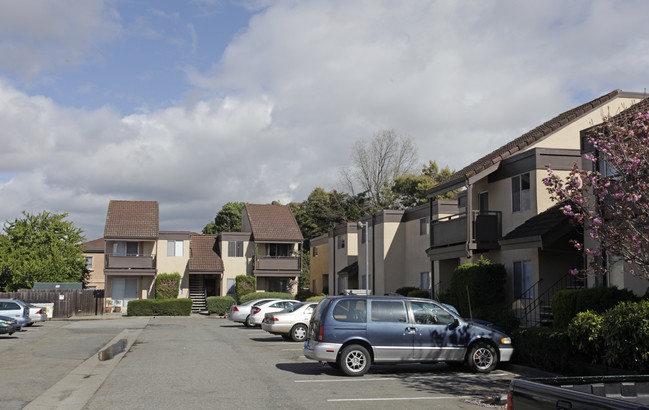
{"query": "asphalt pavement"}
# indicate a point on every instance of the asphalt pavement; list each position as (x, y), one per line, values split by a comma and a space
(201, 362)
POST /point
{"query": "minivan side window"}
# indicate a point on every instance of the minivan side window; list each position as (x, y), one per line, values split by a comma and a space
(430, 314)
(350, 310)
(388, 311)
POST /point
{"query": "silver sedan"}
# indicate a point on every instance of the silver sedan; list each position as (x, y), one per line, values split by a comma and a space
(291, 323)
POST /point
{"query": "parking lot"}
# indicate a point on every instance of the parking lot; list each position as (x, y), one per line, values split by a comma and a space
(205, 362)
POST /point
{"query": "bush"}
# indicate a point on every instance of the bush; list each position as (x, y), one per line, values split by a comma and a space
(625, 332)
(244, 285)
(485, 283)
(167, 285)
(567, 303)
(419, 294)
(543, 348)
(264, 295)
(315, 298)
(404, 290)
(219, 305)
(304, 294)
(159, 307)
(585, 332)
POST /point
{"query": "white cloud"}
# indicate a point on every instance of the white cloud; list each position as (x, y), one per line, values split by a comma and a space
(276, 115)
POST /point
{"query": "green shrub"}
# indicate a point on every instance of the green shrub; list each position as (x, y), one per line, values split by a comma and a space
(625, 332)
(404, 290)
(585, 332)
(219, 305)
(419, 294)
(567, 303)
(316, 298)
(485, 283)
(265, 295)
(167, 285)
(160, 307)
(244, 285)
(304, 294)
(543, 348)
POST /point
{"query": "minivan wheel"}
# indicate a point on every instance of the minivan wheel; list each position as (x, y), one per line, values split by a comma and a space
(482, 357)
(298, 333)
(246, 322)
(354, 360)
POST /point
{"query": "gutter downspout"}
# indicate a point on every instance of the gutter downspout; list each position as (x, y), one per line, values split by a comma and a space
(373, 255)
(469, 221)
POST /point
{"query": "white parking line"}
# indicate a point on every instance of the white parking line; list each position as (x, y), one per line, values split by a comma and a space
(403, 398)
(346, 380)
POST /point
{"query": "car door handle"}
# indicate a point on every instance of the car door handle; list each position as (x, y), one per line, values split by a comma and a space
(411, 330)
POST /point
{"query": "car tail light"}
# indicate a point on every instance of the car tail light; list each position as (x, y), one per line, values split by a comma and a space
(234, 309)
(320, 333)
(39, 312)
(510, 401)
(255, 310)
(274, 319)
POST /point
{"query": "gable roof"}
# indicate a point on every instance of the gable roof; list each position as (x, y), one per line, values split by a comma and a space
(522, 142)
(273, 223)
(203, 256)
(540, 230)
(95, 246)
(132, 220)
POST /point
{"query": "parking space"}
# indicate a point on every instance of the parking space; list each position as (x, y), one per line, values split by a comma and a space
(204, 362)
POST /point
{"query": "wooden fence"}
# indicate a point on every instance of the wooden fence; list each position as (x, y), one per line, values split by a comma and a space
(67, 303)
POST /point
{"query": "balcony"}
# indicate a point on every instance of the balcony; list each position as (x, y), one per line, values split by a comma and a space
(452, 230)
(135, 262)
(288, 265)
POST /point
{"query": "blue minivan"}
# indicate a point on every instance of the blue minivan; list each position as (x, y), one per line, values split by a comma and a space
(352, 332)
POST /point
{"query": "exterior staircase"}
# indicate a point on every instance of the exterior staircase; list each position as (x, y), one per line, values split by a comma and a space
(538, 311)
(197, 293)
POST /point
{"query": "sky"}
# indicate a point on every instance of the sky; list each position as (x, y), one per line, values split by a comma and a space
(198, 103)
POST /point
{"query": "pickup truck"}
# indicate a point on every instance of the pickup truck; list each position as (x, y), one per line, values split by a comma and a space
(590, 392)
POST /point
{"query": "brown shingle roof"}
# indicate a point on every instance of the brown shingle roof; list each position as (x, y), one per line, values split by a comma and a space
(203, 256)
(273, 223)
(95, 245)
(629, 113)
(132, 220)
(525, 140)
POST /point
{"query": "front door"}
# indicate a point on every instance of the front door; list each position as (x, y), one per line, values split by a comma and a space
(388, 331)
(124, 290)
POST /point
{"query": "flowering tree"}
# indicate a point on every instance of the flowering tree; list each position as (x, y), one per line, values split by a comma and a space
(611, 201)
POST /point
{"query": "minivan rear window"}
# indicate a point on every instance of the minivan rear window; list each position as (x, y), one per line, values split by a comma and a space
(388, 311)
(351, 310)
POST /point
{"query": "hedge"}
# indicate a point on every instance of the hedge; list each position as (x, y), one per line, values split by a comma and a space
(424, 294)
(264, 295)
(159, 307)
(566, 304)
(405, 290)
(316, 298)
(219, 305)
(167, 285)
(543, 348)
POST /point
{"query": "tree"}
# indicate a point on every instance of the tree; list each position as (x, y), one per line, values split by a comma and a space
(411, 190)
(611, 201)
(41, 248)
(228, 219)
(323, 210)
(376, 163)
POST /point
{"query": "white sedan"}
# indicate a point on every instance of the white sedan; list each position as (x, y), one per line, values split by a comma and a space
(241, 313)
(258, 312)
(291, 323)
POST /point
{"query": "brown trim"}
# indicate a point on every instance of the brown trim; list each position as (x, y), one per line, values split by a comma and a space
(133, 272)
(291, 274)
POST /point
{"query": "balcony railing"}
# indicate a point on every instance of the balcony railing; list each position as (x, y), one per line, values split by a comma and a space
(130, 262)
(452, 230)
(277, 263)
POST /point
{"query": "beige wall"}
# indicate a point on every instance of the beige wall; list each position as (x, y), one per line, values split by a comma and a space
(235, 266)
(175, 264)
(319, 264)
(96, 276)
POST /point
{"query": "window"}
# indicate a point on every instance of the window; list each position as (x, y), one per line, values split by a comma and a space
(314, 285)
(521, 192)
(431, 314)
(125, 248)
(363, 235)
(523, 280)
(341, 242)
(235, 249)
(423, 226)
(351, 310)
(424, 280)
(314, 251)
(483, 202)
(174, 248)
(231, 286)
(392, 311)
(89, 262)
(279, 250)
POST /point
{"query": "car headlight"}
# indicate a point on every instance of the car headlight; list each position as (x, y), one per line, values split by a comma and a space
(505, 340)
